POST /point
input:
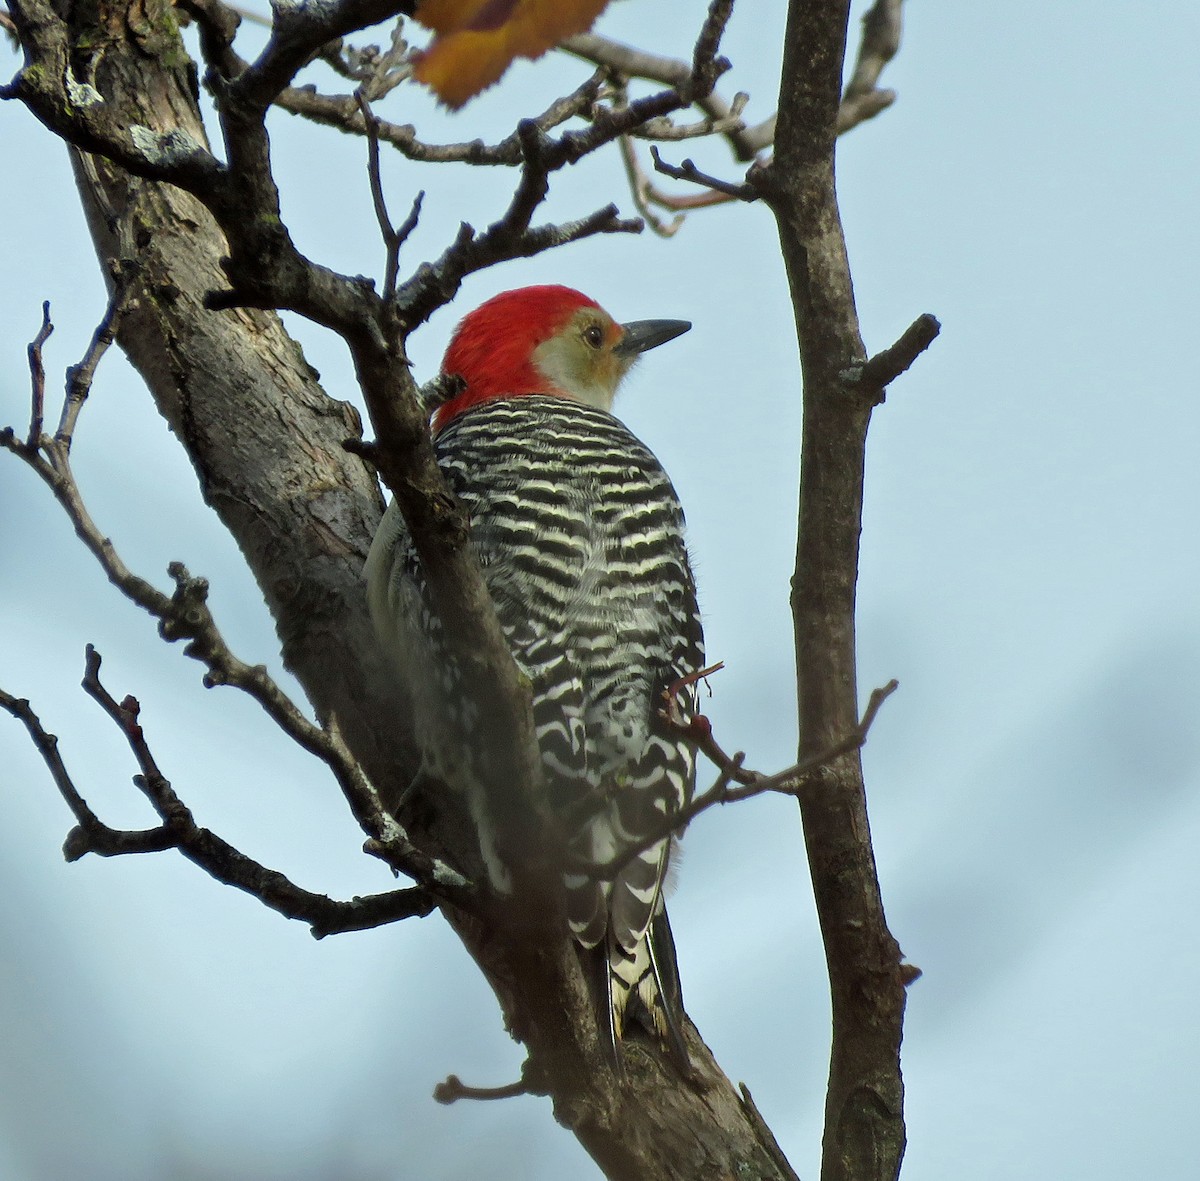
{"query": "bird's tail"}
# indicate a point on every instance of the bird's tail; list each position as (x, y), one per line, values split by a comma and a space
(642, 985)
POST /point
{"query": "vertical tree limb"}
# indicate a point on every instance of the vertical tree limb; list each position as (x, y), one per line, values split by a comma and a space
(864, 1128)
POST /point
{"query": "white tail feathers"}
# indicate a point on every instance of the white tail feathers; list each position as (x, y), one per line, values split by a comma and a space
(643, 985)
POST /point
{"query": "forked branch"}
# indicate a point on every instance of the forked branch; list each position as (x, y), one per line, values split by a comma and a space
(185, 614)
(860, 101)
(178, 829)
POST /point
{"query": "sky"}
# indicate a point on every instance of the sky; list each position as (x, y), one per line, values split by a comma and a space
(1029, 575)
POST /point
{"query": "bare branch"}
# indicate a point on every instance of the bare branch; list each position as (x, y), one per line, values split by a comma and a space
(861, 100)
(435, 285)
(179, 830)
(299, 31)
(92, 835)
(688, 171)
(79, 377)
(37, 378)
(393, 238)
(707, 67)
(644, 193)
(666, 131)
(628, 62)
(185, 615)
(342, 112)
(875, 375)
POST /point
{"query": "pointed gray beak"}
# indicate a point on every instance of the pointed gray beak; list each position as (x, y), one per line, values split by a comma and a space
(648, 334)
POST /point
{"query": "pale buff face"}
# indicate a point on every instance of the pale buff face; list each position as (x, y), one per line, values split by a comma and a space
(580, 361)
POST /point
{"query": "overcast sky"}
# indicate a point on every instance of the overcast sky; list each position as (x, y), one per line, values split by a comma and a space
(1030, 572)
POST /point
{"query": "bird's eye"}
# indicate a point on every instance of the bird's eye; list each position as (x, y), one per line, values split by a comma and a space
(593, 336)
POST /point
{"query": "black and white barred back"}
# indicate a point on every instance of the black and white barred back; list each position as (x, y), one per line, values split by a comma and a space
(580, 536)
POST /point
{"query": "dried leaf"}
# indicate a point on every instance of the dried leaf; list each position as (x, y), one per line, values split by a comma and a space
(477, 40)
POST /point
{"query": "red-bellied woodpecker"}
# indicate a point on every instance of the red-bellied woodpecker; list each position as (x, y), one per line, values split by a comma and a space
(580, 537)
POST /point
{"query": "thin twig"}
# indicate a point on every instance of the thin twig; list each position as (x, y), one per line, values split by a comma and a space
(406, 227)
(707, 67)
(80, 376)
(861, 99)
(688, 171)
(646, 194)
(92, 835)
(185, 615)
(382, 72)
(392, 238)
(666, 131)
(791, 781)
(348, 61)
(37, 378)
(643, 192)
(178, 829)
(627, 62)
(434, 285)
(341, 112)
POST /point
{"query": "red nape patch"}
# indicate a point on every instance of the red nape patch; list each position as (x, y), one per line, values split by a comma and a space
(492, 349)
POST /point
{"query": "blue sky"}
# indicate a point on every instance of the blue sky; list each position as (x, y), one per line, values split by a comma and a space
(1030, 572)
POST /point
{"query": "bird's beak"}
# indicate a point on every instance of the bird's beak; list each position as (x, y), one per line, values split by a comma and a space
(648, 334)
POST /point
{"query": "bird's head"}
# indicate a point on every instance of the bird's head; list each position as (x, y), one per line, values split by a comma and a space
(545, 340)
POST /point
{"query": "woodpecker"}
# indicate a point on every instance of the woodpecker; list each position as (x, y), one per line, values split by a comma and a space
(579, 534)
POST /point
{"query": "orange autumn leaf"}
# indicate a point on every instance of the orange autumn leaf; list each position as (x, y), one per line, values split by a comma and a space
(477, 40)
